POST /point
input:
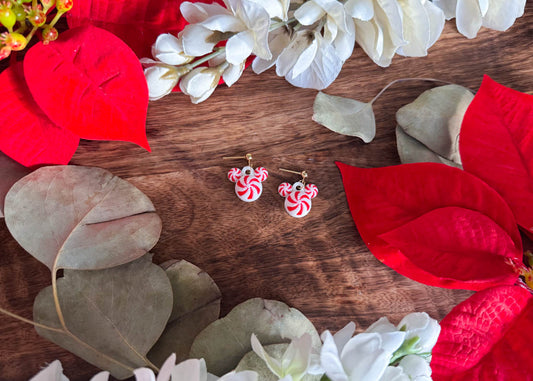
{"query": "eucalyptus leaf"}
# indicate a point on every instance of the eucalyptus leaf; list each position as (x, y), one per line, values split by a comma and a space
(411, 150)
(80, 218)
(10, 173)
(118, 313)
(434, 119)
(224, 342)
(253, 362)
(196, 305)
(345, 116)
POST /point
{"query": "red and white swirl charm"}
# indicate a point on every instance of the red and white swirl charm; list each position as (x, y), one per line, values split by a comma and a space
(298, 198)
(248, 185)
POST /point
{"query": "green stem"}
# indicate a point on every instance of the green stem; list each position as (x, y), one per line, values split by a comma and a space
(406, 80)
(200, 61)
(28, 321)
(56, 18)
(30, 35)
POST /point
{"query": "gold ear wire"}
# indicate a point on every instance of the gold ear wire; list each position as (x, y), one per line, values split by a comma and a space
(302, 173)
(248, 157)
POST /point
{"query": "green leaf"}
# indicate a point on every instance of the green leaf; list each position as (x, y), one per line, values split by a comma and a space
(433, 120)
(224, 342)
(251, 361)
(10, 173)
(114, 316)
(196, 305)
(345, 116)
(411, 150)
(80, 218)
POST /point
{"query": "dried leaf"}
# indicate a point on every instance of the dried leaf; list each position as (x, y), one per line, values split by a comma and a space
(411, 150)
(434, 119)
(409, 215)
(345, 116)
(116, 312)
(224, 342)
(107, 91)
(80, 218)
(496, 146)
(10, 173)
(253, 362)
(27, 135)
(196, 305)
(487, 337)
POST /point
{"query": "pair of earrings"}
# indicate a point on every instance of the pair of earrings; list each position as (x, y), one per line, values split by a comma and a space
(248, 187)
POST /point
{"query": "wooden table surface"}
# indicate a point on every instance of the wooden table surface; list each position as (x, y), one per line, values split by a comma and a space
(318, 264)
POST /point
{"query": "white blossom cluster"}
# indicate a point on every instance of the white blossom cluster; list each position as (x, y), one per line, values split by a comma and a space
(307, 41)
(384, 352)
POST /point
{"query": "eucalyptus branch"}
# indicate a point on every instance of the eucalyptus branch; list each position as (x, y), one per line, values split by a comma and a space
(406, 80)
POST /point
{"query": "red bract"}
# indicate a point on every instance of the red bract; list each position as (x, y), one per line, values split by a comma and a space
(435, 224)
(136, 22)
(496, 144)
(487, 337)
(91, 83)
(26, 134)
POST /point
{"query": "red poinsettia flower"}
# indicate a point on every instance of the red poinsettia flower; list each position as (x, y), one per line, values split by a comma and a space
(446, 227)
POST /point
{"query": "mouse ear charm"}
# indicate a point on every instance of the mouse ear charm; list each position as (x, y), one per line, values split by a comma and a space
(247, 181)
(298, 196)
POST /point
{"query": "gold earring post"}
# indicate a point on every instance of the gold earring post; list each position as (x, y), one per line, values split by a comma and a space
(302, 173)
(248, 157)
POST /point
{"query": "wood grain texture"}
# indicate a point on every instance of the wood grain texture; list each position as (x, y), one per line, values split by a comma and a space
(318, 264)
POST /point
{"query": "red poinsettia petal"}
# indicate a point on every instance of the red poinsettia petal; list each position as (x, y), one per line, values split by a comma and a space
(91, 83)
(435, 224)
(487, 337)
(27, 135)
(496, 145)
(136, 22)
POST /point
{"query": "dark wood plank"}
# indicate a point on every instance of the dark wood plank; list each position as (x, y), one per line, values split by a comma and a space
(318, 264)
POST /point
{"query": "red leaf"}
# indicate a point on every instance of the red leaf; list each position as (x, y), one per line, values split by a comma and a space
(136, 22)
(497, 145)
(487, 337)
(435, 224)
(91, 83)
(26, 133)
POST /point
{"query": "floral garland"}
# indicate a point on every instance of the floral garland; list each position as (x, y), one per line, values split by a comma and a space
(307, 41)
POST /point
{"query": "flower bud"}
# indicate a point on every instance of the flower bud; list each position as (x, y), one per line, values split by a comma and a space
(64, 5)
(5, 51)
(200, 83)
(161, 79)
(37, 17)
(47, 4)
(49, 34)
(14, 41)
(419, 324)
(169, 49)
(8, 18)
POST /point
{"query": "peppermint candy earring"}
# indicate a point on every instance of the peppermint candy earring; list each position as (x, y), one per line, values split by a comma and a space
(298, 195)
(248, 180)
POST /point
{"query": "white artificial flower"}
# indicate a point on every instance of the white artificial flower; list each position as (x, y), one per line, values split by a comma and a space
(363, 357)
(421, 325)
(201, 82)
(339, 28)
(278, 40)
(169, 49)
(247, 22)
(275, 8)
(309, 61)
(410, 368)
(382, 35)
(423, 23)
(294, 363)
(472, 14)
(54, 372)
(161, 79)
(231, 73)
(360, 9)
(145, 374)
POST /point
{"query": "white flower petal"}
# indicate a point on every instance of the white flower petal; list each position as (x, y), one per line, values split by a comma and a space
(200, 81)
(345, 41)
(415, 366)
(360, 9)
(344, 335)
(232, 74)
(330, 359)
(305, 59)
(197, 12)
(297, 357)
(289, 56)
(273, 364)
(468, 17)
(483, 6)
(447, 6)
(53, 372)
(224, 23)
(382, 325)
(246, 375)
(502, 14)
(144, 374)
(394, 373)
(239, 47)
(309, 13)
(436, 22)
(416, 29)
(190, 370)
(196, 40)
(166, 369)
(169, 49)
(422, 325)
(102, 376)
(275, 8)
(364, 358)
(161, 80)
(279, 39)
(391, 341)
(257, 21)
